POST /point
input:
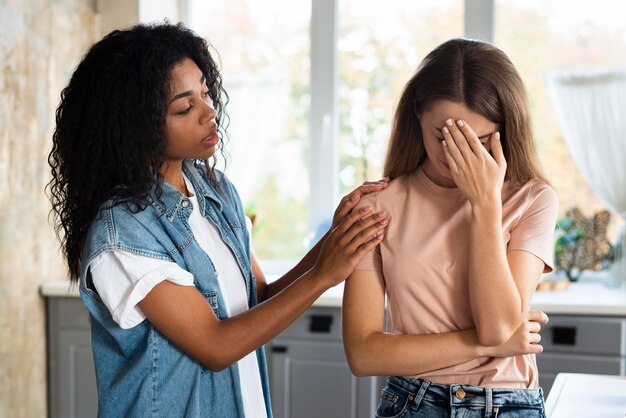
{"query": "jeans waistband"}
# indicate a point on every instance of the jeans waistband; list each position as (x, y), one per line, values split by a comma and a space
(468, 395)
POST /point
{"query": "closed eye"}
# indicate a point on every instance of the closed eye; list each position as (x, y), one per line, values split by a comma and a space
(184, 112)
(484, 138)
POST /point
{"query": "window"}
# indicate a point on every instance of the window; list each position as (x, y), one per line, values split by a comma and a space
(287, 111)
(540, 36)
(313, 85)
(380, 46)
(264, 49)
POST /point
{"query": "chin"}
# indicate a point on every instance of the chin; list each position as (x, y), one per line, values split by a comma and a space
(207, 153)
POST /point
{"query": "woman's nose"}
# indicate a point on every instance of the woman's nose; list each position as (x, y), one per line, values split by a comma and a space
(209, 113)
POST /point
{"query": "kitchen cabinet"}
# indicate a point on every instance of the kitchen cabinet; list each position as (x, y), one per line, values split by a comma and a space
(71, 374)
(309, 373)
(582, 344)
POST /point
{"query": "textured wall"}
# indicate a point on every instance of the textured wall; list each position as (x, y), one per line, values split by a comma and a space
(41, 41)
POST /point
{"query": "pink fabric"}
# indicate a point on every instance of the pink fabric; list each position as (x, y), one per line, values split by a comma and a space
(424, 259)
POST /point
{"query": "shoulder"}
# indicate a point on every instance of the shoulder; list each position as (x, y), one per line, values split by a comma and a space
(538, 193)
(535, 200)
(395, 193)
(114, 217)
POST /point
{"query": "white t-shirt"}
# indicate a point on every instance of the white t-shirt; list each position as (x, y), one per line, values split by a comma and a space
(123, 279)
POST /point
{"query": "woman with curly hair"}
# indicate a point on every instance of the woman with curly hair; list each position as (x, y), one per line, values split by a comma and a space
(156, 236)
(465, 176)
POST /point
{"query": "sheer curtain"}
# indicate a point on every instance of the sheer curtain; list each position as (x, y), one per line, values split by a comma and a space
(257, 109)
(591, 111)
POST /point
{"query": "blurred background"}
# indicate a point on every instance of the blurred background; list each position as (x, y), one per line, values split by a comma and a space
(312, 86)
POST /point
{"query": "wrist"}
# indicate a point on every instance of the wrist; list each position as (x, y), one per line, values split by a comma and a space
(484, 351)
(487, 208)
(318, 280)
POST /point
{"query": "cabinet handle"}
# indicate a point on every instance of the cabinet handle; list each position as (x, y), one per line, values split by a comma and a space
(279, 349)
(564, 335)
(321, 323)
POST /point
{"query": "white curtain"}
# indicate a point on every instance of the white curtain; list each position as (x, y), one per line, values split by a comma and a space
(591, 111)
(258, 115)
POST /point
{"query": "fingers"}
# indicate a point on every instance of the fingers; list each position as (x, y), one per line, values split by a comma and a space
(361, 218)
(452, 147)
(458, 141)
(467, 141)
(349, 201)
(368, 246)
(496, 149)
(534, 327)
(537, 316)
(534, 338)
(470, 137)
(535, 319)
(365, 229)
(351, 218)
(346, 205)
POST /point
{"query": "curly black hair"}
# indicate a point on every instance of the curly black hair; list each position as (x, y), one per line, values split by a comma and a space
(109, 139)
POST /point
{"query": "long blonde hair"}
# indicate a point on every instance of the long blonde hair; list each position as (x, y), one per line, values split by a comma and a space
(483, 78)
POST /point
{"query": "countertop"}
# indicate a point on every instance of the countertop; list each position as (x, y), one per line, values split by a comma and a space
(576, 395)
(582, 299)
(577, 299)
(63, 289)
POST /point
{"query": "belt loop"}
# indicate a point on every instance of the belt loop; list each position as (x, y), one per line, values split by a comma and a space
(488, 402)
(422, 390)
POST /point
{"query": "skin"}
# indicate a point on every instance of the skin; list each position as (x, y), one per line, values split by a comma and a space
(457, 156)
(501, 283)
(182, 314)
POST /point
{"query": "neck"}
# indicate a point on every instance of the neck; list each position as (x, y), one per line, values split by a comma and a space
(172, 172)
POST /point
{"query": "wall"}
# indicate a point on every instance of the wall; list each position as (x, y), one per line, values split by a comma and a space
(41, 41)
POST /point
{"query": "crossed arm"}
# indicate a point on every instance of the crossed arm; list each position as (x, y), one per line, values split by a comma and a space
(371, 351)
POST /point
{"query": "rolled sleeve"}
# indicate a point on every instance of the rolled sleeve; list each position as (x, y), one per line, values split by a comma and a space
(123, 279)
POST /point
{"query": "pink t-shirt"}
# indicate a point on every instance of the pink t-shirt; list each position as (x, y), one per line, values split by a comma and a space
(425, 263)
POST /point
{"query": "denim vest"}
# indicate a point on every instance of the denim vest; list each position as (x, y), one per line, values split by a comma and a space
(139, 372)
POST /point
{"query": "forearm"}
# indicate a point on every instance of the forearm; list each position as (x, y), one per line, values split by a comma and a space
(371, 351)
(495, 300)
(382, 354)
(244, 333)
(297, 271)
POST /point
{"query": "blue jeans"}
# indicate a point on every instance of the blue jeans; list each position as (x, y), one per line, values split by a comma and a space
(413, 398)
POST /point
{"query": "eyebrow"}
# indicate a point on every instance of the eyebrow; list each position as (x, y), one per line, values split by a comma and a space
(185, 93)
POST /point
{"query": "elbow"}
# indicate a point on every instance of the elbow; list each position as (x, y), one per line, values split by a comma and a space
(215, 366)
(492, 332)
(492, 336)
(358, 361)
(216, 363)
(357, 367)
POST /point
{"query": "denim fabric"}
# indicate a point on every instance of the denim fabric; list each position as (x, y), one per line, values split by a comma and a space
(140, 373)
(412, 398)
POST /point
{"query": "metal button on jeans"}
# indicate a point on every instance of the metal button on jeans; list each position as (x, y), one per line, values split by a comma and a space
(185, 203)
(460, 393)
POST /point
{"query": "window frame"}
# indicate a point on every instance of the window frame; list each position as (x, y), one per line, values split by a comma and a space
(324, 121)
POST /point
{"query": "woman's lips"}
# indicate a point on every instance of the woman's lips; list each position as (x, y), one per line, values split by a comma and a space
(211, 140)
